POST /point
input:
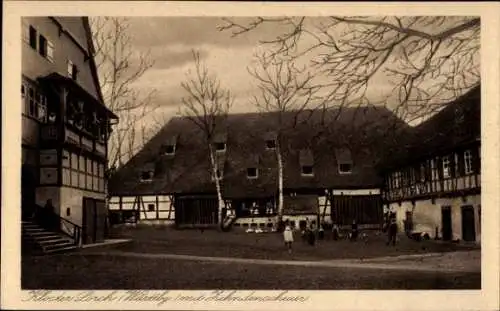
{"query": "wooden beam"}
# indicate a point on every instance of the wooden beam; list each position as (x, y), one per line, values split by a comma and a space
(157, 208)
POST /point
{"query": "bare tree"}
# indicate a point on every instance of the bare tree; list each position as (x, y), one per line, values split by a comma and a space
(207, 105)
(284, 90)
(120, 67)
(426, 60)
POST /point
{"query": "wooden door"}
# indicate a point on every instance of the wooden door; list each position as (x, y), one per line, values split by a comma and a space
(446, 223)
(468, 224)
(88, 221)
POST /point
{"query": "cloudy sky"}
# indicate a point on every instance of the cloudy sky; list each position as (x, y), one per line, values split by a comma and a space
(170, 40)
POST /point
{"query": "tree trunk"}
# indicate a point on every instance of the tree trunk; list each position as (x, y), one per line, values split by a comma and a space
(280, 183)
(220, 202)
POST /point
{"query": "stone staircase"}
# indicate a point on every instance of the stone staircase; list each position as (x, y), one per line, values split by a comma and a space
(37, 240)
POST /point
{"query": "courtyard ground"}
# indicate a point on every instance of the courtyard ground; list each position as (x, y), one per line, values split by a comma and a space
(270, 245)
(159, 258)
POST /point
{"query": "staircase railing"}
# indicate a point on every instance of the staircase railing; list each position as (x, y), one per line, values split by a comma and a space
(49, 220)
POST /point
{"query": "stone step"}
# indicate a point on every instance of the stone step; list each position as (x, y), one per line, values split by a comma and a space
(40, 233)
(34, 229)
(55, 240)
(46, 237)
(60, 249)
(61, 244)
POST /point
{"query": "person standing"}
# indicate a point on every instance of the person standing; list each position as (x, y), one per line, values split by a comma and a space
(335, 232)
(354, 230)
(288, 236)
(392, 232)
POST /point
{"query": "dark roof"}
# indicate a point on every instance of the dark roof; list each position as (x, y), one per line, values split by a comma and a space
(310, 135)
(457, 124)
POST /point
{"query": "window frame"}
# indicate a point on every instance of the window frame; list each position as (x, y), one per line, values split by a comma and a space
(150, 174)
(468, 162)
(253, 176)
(307, 174)
(273, 141)
(217, 144)
(342, 172)
(446, 166)
(33, 38)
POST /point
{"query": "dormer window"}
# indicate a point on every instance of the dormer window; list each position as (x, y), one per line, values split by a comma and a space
(220, 147)
(306, 163)
(270, 144)
(147, 176)
(345, 168)
(307, 170)
(252, 173)
(169, 149)
(344, 160)
(270, 139)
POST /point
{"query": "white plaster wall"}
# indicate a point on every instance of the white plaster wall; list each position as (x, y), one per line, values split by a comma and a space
(128, 204)
(73, 199)
(427, 216)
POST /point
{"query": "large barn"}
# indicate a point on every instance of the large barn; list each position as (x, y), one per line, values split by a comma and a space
(330, 169)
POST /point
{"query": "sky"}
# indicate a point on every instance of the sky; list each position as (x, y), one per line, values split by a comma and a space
(171, 40)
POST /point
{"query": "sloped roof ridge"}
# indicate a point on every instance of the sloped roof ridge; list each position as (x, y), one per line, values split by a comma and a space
(449, 105)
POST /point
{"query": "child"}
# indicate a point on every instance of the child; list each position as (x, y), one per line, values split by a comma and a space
(288, 236)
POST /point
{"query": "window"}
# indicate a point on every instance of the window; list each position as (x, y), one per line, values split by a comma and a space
(151, 207)
(147, 176)
(345, 168)
(446, 167)
(34, 102)
(252, 172)
(468, 162)
(220, 147)
(32, 37)
(68, 211)
(270, 144)
(307, 170)
(422, 172)
(72, 70)
(169, 149)
(42, 46)
(31, 102)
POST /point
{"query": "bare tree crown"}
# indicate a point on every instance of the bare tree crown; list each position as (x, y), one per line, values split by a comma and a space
(426, 60)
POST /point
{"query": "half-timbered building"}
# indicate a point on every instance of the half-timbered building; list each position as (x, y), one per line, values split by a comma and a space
(435, 187)
(65, 126)
(329, 165)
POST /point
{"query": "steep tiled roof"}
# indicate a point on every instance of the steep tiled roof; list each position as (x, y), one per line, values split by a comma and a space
(310, 136)
(458, 123)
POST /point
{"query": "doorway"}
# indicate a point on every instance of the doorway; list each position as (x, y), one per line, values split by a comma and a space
(94, 220)
(468, 224)
(446, 223)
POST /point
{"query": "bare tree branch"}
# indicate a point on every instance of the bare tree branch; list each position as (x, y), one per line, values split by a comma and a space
(422, 61)
(207, 105)
(120, 67)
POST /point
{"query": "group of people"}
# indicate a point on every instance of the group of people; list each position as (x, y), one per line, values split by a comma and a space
(309, 235)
